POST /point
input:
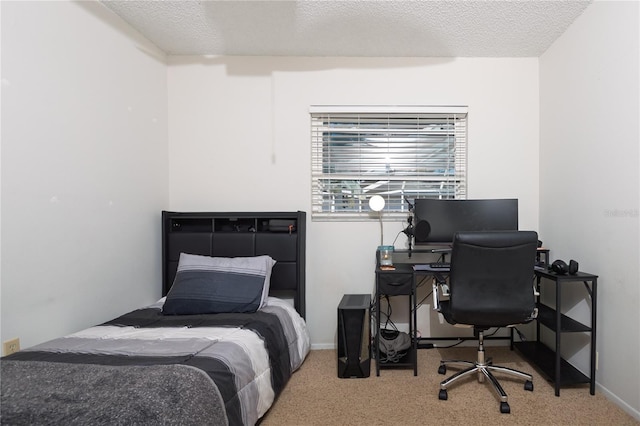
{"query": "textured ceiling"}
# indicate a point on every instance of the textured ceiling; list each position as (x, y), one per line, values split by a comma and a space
(429, 28)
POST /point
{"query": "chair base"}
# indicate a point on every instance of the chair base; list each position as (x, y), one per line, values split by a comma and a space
(484, 370)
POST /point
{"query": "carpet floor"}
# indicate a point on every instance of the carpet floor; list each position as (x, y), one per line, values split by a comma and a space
(316, 396)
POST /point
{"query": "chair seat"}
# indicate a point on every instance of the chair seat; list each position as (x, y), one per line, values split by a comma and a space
(488, 319)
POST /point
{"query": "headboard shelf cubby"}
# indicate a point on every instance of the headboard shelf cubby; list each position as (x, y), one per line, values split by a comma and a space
(281, 235)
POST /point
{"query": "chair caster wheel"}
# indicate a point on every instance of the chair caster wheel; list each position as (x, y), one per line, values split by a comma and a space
(504, 408)
(442, 369)
(442, 395)
(528, 386)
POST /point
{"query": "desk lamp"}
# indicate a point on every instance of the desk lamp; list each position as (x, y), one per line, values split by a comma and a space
(376, 203)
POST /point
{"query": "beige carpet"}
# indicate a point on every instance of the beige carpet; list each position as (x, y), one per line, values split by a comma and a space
(316, 396)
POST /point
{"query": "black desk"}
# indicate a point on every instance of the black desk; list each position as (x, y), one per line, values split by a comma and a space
(403, 281)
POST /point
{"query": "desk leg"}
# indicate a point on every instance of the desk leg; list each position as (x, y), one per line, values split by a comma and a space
(511, 338)
(538, 280)
(377, 339)
(594, 292)
(558, 337)
(414, 326)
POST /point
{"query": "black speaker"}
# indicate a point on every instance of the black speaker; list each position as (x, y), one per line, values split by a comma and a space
(573, 267)
(354, 337)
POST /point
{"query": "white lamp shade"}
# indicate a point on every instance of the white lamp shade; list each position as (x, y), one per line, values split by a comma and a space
(376, 203)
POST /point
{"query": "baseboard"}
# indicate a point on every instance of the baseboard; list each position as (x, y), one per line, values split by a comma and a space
(438, 344)
(620, 403)
(322, 346)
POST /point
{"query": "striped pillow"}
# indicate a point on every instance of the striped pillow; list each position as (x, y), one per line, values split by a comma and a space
(209, 285)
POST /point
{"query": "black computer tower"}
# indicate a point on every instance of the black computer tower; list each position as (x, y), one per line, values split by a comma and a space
(354, 337)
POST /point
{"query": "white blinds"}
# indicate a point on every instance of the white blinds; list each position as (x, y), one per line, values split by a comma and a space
(401, 153)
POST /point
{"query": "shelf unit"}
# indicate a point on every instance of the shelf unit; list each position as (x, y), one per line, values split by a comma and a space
(549, 360)
(398, 282)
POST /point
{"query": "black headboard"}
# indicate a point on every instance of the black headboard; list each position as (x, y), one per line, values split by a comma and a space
(281, 235)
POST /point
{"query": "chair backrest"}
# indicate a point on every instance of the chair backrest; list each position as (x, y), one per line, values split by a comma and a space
(491, 281)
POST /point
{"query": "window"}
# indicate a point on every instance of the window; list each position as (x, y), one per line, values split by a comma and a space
(400, 153)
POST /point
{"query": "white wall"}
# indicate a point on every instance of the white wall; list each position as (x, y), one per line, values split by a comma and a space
(589, 182)
(84, 168)
(239, 139)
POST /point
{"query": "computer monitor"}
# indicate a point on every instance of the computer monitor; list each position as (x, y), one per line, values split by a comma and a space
(437, 221)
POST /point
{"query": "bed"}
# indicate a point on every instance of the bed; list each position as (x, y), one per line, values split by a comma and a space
(217, 349)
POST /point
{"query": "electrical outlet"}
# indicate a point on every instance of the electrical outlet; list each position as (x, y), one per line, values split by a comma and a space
(597, 359)
(10, 346)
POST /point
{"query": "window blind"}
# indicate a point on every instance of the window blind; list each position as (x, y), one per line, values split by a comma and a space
(400, 153)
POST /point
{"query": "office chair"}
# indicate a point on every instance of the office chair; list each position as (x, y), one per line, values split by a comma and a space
(490, 285)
